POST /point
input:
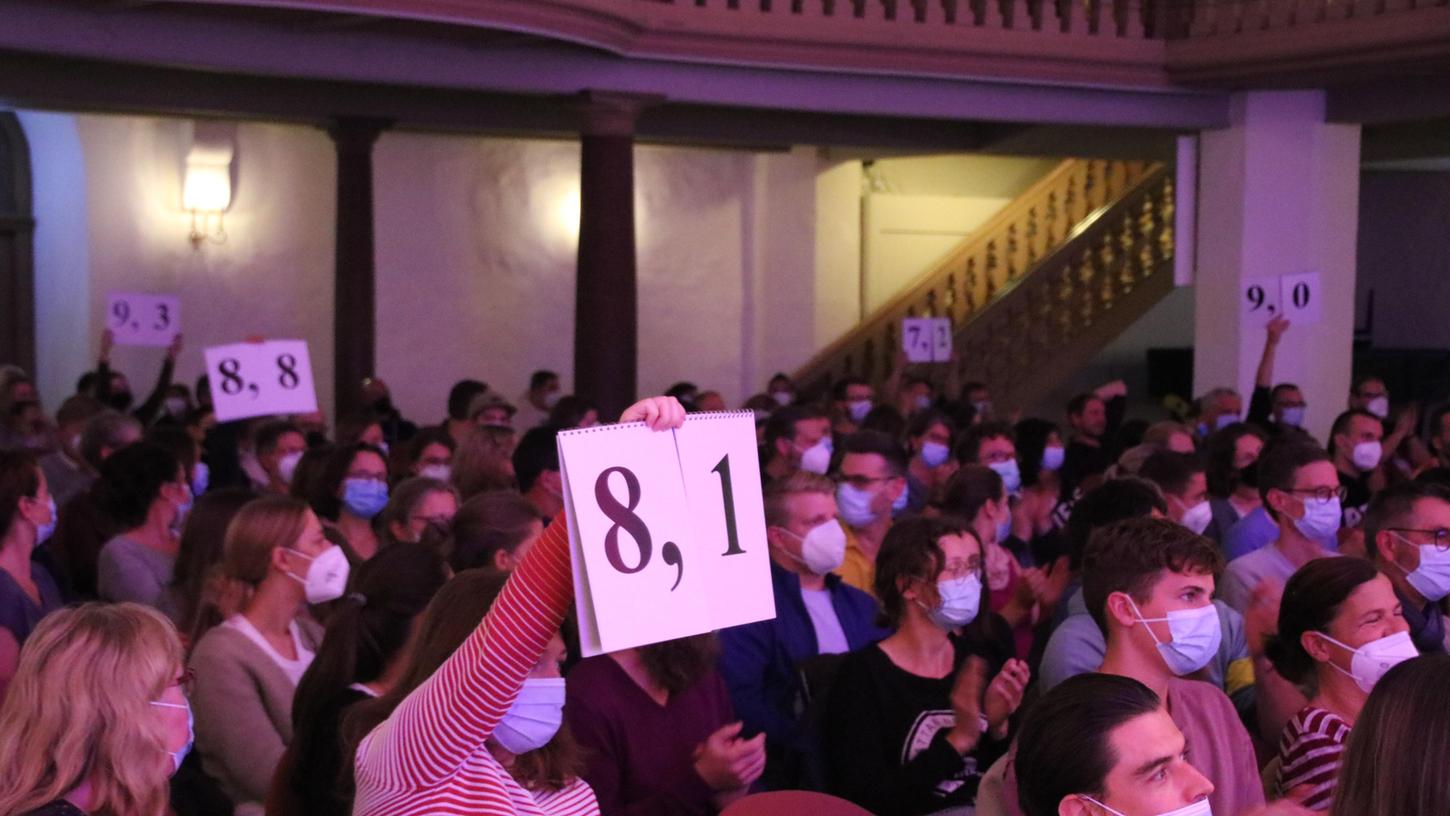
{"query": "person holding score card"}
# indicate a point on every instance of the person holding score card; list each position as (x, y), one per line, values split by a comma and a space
(435, 753)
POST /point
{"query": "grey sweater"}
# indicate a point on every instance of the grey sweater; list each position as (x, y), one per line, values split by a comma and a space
(131, 571)
(243, 707)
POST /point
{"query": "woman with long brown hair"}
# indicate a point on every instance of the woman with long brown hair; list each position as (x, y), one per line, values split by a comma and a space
(96, 719)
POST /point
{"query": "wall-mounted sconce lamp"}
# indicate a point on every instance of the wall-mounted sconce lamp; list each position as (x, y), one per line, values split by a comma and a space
(206, 189)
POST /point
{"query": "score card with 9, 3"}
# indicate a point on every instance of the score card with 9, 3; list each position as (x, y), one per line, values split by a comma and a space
(666, 530)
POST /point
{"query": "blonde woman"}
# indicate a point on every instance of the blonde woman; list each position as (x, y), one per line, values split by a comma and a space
(96, 719)
(248, 666)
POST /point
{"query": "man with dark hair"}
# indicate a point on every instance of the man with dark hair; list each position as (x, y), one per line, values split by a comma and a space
(1407, 533)
(536, 466)
(797, 437)
(816, 614)
(1148, 584)
(1077, 644)
(1094, 419)
(1301, 493)
(1180, 476)
(460, 400)
(535, 404)
(1368, 393)
(1104, 741)
(1275, 408)
(1356, 445)
(872, 490)
(977, 395)
(852, 398)
(279, 447)
(991, 444)
(1258, 529)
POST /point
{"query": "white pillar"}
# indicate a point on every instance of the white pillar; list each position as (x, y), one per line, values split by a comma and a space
(1278, 194)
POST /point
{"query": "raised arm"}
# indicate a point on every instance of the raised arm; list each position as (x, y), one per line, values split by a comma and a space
(1260, 403)
(447, 718)
(148, 410)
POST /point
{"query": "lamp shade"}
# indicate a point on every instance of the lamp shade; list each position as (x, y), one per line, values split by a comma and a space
(207, 186)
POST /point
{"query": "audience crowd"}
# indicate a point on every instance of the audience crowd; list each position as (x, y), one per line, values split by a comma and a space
(975, 612)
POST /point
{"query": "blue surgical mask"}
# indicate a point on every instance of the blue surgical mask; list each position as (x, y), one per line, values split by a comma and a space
(854, 505)
(1052, 457)
(859, 409)
(1320, 521)
(934, 454)
(1004, 527)
(364, 498)
(535, 717)
(44, 531)
(178, 757)
(960, 600)
(1293, 416)
(1010, 473)
(200, 478)
(1196, 635)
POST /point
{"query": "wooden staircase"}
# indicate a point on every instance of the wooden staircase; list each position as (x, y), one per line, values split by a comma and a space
(1038, 290)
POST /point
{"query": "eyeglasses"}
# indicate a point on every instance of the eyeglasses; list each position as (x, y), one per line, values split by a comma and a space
(961, 569)
(1440, 536)
(1322, 495)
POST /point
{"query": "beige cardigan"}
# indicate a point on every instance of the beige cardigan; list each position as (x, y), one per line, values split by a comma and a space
(243, 706)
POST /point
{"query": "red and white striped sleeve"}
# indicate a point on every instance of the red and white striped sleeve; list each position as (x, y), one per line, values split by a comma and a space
(447, 718)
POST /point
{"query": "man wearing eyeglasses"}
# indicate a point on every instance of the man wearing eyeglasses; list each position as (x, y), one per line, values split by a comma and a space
(1407, 527)
(1301, 493)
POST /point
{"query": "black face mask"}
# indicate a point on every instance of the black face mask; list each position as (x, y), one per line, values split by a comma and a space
(121, 400)
(383, 405)
(316, 439)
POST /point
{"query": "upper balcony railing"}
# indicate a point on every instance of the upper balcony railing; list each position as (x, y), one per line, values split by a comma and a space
(1126, 43)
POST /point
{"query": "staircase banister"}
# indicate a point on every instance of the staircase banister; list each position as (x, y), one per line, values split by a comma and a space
(899, 305)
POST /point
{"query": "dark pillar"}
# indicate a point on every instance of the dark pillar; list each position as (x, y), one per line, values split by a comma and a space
(354, 333)
(606, 304)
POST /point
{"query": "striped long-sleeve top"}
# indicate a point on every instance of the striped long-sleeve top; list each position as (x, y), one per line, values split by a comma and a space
(1309, 754)
(429, 756)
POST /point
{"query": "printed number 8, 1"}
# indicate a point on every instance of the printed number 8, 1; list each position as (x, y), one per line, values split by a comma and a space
(625, 520)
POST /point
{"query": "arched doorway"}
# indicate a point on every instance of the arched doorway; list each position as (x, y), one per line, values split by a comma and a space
(17, 253)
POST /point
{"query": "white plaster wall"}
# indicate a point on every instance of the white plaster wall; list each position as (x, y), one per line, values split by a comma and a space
(838, 250)
(62, 252)
(124, 229)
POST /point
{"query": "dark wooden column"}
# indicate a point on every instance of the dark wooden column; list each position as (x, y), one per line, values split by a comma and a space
(606, 307)
(354, 308)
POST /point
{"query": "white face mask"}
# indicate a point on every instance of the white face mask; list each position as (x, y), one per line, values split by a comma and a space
(1196, 633)
(440, 472)
(817, 458)
(535, 716)
(1432, 577)
(823, 547)
(287, 465)
(1004, 526)
(1199, 808)
(960, 600)
(922, 402)
(326, 576)
(1197, 517)
(1379, 406)
(1373, 659)
(782, 398)
(1366, 455)
(1320, 521)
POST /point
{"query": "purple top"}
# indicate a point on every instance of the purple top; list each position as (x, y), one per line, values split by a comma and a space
(20, 614)
(639, 755)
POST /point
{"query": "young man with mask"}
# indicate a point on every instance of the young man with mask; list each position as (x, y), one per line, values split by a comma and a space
(279, 446)
(1095, 419)
(797, 437)
(1357, 446)
(1217, 410)
(1301, 493)
(872, 490)
(991, 444)
(536, 466)
(852, 399)
(1407, 530)
(1148, 584)
(1370, 394)
(1103, 745)
(535, 404)
(816, 613)
(1181, 478)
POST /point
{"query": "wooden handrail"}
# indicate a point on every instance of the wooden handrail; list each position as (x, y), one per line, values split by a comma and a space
(975, 273)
